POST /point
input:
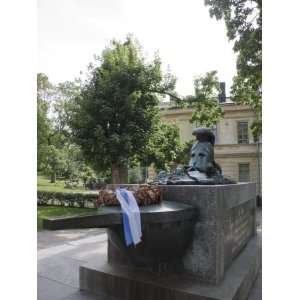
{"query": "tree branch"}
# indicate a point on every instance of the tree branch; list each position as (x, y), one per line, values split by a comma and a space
(167, 93)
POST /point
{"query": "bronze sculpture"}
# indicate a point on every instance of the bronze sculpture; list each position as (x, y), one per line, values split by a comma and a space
(202, 168)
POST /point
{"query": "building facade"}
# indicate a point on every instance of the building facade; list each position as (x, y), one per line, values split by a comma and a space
(235, 149)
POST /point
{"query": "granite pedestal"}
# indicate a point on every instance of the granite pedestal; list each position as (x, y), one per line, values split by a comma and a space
(219, 262)
(123, 283)
(225, 224)
(167, 230)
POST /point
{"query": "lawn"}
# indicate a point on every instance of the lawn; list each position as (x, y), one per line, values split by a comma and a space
(58, 211)
(44, 184)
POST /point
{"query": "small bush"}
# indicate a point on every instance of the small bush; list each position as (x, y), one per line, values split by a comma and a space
(71, 183)
(93, 183)
(135, 175)
(66, 199)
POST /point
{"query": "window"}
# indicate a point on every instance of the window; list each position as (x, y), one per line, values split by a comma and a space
(243, 132)
(244, 172)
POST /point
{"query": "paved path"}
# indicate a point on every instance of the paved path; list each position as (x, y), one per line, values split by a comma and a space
(255, 293)
(61, 252)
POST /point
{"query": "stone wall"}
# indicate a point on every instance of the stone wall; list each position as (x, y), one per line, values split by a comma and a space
(230, 166)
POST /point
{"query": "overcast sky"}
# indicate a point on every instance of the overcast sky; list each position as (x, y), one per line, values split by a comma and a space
(187, 39)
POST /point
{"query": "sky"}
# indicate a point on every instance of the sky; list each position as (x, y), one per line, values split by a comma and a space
(188, 41)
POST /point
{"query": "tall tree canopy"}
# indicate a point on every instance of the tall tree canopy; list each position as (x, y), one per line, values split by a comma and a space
(114, 116)
(44, 91)
(56, 153)
(206, 108)
(243, 19)
(205, 101)
(163, 147)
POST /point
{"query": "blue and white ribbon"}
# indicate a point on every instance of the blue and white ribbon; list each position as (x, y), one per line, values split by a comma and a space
(131, 216)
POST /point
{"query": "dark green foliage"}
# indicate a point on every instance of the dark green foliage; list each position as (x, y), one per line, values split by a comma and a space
(135, 175)
(54, 163)
(66, 199)
(185, 154)
(114, 116)
(243, 19)
(163, 147)
(207, 110)
(64, 95)
(44, 91)
(112, 120)
(94, 183)
(57, 155)
(71, 183)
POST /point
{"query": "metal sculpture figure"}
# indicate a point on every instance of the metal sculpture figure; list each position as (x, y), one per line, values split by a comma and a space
(202, 168)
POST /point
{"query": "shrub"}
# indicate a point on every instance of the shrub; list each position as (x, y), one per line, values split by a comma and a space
(71, 183)
(135, 175)
(93, 183)
(66, 199)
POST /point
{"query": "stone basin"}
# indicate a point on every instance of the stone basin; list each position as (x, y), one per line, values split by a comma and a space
(167, 230)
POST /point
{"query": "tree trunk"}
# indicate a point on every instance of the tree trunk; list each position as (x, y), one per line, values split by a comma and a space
(119, 173)
(53, 177)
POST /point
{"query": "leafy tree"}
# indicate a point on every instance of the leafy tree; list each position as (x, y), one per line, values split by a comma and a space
(57, 155)
(184, 155)
(44, 88)
(74, 162)
(205, 104)
(44, 92)
(243, 19)
(163, 147)
(68, 154)
(207, 110)
(63, 99)
(55, 162)
(43, 129)
(135, 175)
(87, 174)
(114, 116)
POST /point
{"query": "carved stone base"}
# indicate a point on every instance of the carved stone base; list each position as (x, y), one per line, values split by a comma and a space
(226, 222)
(134, 284)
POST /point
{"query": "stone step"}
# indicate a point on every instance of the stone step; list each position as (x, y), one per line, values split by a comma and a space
(133, 284)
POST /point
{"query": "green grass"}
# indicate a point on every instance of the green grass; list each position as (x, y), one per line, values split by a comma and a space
(44, 184)
(58, 211)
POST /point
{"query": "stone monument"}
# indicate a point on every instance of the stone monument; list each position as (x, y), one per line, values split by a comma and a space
(200, 243)
(202, 168)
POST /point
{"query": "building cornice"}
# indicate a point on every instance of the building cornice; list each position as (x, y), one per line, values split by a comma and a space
(236, 150)
(236, 145)
(235, 155)
(227, 108)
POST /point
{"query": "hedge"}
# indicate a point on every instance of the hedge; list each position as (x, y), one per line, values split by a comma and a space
(66, 199)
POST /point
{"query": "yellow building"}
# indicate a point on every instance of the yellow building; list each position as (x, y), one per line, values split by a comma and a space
(235, 150)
